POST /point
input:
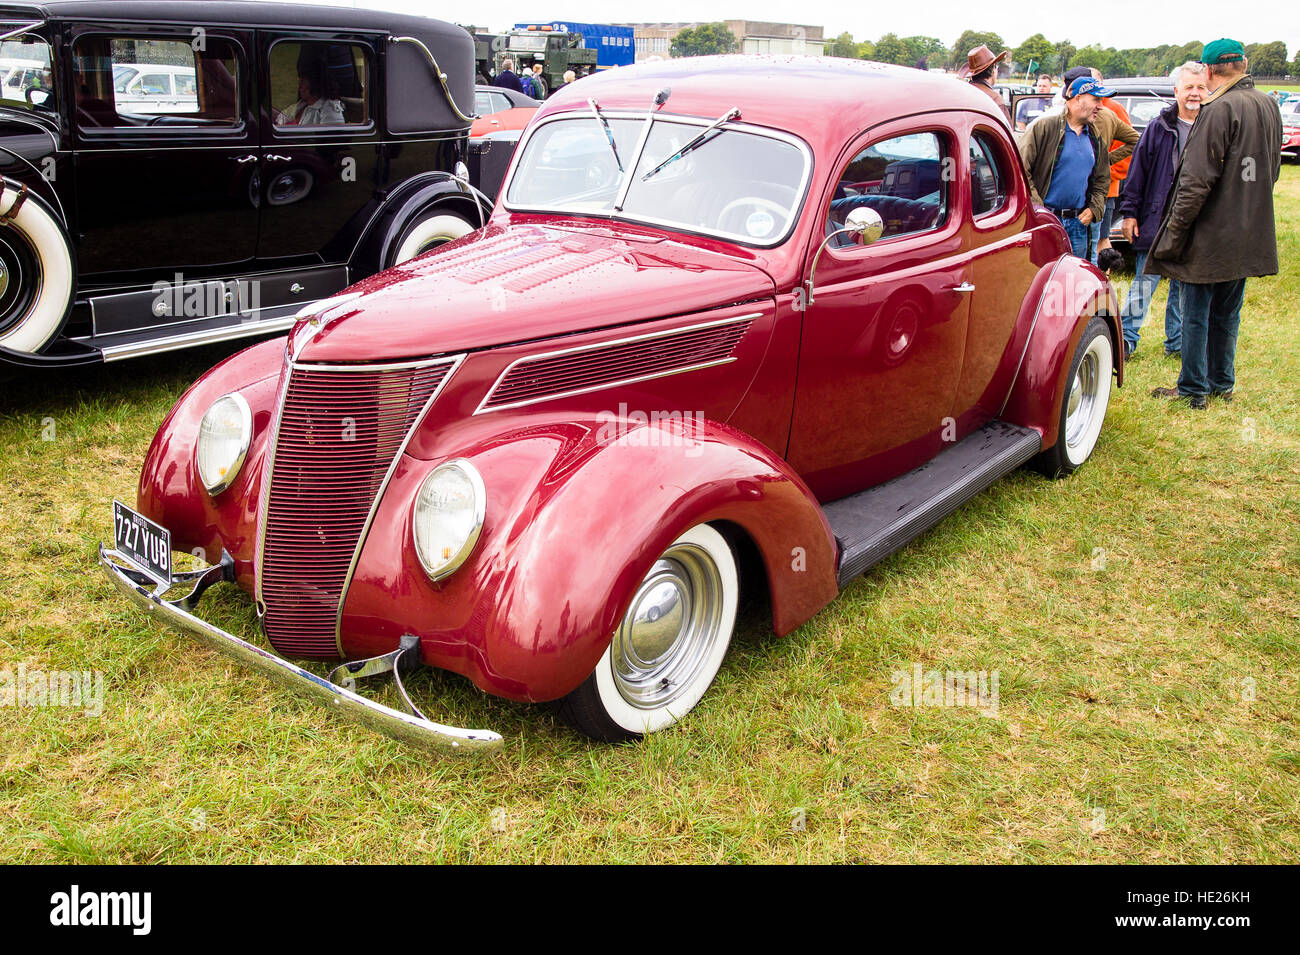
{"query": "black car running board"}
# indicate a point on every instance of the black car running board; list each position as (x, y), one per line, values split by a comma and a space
(872, 524)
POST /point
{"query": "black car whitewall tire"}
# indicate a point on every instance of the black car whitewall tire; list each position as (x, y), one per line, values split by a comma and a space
(1084, 403)
(429, 232)
(36, 274)
(668, 647)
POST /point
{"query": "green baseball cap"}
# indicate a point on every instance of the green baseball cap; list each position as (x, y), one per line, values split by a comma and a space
(1223, 51)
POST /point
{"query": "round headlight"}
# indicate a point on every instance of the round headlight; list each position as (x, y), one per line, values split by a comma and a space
(448, 516)
(224, 434)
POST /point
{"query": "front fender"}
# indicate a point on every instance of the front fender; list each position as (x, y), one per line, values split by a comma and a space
(1075, 292)
(576, 516)
(170, 491)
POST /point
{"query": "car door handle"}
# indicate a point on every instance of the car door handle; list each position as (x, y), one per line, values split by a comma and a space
(252, 157)
(964, 287)
(276, 157)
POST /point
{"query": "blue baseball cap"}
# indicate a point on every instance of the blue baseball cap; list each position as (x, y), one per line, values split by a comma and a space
(1086, 84)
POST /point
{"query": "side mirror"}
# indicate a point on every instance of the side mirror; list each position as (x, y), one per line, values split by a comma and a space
(863, 223)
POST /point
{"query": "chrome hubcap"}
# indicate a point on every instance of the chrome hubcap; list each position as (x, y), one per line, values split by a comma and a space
(673, 624)
(1083, 400)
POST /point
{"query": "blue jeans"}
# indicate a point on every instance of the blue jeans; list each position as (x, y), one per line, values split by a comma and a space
(1211, 316)
(1101, 230)
(1134, 312)
(1078, 233)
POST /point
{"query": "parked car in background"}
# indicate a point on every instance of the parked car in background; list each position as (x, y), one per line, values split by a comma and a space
(163, 192)
(1291, 128)
(724, 328)
(502, 116)
(1143, 97)
(1027, 107)
(154, 89)
(499, 109)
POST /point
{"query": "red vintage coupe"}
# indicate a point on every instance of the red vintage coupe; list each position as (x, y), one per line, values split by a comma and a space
(734, 320)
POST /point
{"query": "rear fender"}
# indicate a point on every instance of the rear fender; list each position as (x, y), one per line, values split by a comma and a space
(1075, 292)
(414, 198)
(576, 516)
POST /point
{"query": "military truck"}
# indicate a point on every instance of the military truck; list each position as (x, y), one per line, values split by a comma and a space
(557, 51)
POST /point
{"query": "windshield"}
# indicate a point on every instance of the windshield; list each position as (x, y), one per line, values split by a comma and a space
(27, 79)
(742, 185)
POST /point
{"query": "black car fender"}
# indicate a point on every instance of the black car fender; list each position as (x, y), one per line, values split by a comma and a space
(414, 199)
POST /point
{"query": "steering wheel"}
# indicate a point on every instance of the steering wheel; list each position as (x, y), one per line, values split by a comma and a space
(780, 212)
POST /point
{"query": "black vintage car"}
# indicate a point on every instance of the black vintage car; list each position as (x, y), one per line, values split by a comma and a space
(178, 173)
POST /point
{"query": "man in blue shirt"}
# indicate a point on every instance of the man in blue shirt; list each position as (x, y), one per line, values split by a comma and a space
(1069, 169)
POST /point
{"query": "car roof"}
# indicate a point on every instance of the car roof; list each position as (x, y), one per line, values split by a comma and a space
(1161, 85)
(240, 12)
(819, 98)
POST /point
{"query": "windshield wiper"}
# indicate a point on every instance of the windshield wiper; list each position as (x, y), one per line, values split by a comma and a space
(733, 113)
(608, 133)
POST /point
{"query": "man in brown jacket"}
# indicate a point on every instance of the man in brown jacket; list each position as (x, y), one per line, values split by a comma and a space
(982, 70)
(1069, 167)
(1217, 229)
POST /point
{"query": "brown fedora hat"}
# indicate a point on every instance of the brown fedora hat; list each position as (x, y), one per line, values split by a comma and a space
(980, 59)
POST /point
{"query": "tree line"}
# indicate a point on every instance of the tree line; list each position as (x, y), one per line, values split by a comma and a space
(927, 52)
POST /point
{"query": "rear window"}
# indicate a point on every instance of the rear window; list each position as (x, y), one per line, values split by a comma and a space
(125, 81)
(315, 83)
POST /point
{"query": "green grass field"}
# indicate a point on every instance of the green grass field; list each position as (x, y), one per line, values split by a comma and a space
(1143, 617)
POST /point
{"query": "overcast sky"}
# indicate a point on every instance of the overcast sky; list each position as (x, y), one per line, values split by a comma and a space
(1117, 24)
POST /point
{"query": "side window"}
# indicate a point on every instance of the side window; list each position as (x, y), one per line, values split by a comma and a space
(902, 179)
(128, 81)
(26, 79)
(988, 180)
(315, 83)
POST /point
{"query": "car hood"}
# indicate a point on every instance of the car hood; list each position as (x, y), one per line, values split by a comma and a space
(522, 282)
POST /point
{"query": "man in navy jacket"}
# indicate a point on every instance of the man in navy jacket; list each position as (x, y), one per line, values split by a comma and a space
(1150, 177)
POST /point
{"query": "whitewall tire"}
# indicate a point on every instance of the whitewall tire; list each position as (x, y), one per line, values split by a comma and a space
(36, 274)
(669, 646)
(1084, 403)
(429, 233)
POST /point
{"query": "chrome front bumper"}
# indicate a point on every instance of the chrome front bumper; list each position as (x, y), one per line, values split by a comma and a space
(412, 728)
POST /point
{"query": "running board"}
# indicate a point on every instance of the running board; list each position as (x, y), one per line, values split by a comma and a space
(872, 524)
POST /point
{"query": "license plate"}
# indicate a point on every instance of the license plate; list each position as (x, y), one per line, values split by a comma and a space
(144, 543)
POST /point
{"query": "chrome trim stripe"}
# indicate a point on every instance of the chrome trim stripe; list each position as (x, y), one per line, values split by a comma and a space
(1028, 338)
(245, 146)
(361, 366)
(649, 336)
(801, 191)
(158, 345)
(455, 362)
(402, 727)
(272, 443)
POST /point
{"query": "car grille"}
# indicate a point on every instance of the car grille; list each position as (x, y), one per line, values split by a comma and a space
(340, 428)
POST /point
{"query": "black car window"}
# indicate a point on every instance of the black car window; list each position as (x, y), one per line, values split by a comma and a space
(902, 179)
(123, 81)
(316, 83)
(988, 191)
(26, 78)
